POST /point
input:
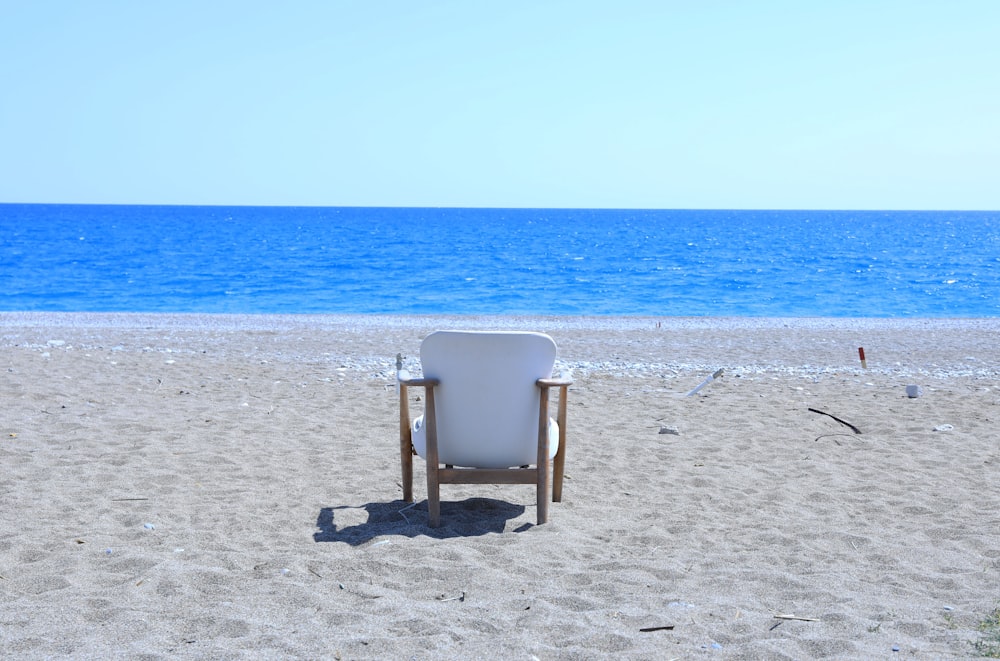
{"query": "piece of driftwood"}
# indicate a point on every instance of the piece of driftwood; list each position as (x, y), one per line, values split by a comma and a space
(779, 616)
(410, 506)
(843, 422)
(828, 435)
(715, 375)
(666, 627)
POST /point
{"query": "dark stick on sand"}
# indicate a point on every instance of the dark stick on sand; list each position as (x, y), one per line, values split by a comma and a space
(843, 422)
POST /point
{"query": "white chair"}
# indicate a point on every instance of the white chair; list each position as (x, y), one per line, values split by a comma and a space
(486, 418)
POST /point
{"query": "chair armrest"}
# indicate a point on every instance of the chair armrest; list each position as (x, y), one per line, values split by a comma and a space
(553, 383)
(419, 382)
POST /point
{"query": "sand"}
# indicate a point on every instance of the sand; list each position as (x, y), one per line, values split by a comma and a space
(183, 486)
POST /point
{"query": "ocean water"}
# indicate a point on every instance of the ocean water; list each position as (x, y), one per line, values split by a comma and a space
(499, 261)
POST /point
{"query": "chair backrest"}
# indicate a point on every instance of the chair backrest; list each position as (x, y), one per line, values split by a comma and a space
(487, 403)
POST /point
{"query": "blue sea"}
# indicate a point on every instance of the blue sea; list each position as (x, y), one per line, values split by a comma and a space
(215, 259)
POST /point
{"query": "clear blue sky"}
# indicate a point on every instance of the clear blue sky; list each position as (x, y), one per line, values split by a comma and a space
(659, 104)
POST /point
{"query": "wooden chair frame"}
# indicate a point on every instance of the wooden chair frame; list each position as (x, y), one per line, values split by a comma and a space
(438, 474)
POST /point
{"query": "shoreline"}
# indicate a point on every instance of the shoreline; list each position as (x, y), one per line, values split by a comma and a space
(268, 320)
(808, 347)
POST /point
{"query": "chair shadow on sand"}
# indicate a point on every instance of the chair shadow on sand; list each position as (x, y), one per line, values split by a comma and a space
(467, 518)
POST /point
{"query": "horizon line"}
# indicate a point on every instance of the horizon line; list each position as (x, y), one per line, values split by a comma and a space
(463, 207)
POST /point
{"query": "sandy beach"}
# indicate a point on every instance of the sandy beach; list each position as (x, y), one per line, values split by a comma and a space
(185, 486)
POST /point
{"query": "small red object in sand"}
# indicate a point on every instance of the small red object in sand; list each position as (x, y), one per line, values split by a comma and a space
(861, 354)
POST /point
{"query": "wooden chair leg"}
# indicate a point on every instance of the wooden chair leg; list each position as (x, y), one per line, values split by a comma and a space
(433, 497)
(542, 494)
(407, 458)
(433, 483)
(560, 459)
(405, 445)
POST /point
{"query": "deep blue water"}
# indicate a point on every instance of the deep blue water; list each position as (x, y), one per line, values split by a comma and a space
(499, 261)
